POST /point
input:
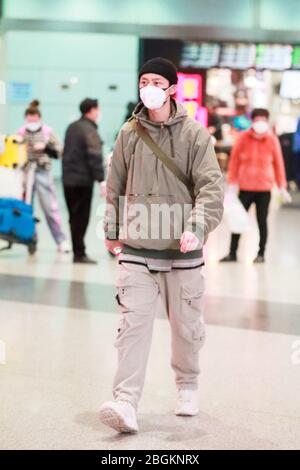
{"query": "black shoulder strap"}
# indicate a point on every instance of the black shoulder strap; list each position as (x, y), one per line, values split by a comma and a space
(160, 154)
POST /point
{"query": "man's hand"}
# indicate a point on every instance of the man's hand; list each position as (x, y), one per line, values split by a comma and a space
(188, 242)
(114, 246)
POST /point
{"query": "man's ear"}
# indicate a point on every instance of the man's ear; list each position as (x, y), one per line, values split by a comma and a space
(173, 90)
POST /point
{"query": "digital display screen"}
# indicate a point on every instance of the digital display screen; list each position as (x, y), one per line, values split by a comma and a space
(273, 56)
(296, 58)
(200, 55)
(189, 93)
(189, 87)
(238, 56)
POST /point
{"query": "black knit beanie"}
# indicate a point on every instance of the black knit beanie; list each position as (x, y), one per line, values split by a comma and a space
(163, 67)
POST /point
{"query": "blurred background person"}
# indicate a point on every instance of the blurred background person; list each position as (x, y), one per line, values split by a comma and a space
(82, 166)
(287, 143)
(42, 145)
(296, 149)
(214, 122)
(129, 109)
(241, 121)
(256, 163)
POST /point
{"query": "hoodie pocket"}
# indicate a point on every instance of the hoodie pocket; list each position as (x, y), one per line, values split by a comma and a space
(152, 221)
(192, 326)
(121, 330)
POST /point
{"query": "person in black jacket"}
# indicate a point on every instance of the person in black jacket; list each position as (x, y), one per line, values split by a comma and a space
(82, 166)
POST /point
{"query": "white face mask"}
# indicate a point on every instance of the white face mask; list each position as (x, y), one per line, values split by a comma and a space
(33, 126)
(153, 97)
(261, 127)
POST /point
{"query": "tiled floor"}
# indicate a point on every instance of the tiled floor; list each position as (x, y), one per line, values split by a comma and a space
(58, 322)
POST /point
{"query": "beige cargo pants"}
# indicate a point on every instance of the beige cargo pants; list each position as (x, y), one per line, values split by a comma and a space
(140, 295)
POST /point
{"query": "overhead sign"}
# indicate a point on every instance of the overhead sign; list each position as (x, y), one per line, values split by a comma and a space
(201, 56)
(19, 92)
(238, 56)
(274, 56)
(296, 58)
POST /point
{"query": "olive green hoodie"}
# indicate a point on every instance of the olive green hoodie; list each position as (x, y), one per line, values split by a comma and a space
(136, 173)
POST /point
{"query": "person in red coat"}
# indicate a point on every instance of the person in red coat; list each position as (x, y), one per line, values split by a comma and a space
(256, 163)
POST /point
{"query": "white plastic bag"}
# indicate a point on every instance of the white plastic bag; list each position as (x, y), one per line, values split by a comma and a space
(235, 215)
(11, 183)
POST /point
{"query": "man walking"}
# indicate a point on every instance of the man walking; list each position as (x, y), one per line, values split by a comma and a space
(82, 166)
(161, 158)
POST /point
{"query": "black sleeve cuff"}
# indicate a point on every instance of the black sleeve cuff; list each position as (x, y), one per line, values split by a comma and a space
(51, 152)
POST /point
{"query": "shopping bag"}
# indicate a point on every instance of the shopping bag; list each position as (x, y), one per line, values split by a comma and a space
(11, 183)
(235, 215)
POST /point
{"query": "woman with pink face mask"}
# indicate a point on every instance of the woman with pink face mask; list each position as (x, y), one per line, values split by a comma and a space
(42, 146)
(256, 163)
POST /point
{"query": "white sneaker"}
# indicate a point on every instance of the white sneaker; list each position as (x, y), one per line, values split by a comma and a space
(187, 403)
(119, 415)
(64, 247)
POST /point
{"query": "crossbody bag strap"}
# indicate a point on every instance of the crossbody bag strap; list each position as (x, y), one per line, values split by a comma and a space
(160, 154)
